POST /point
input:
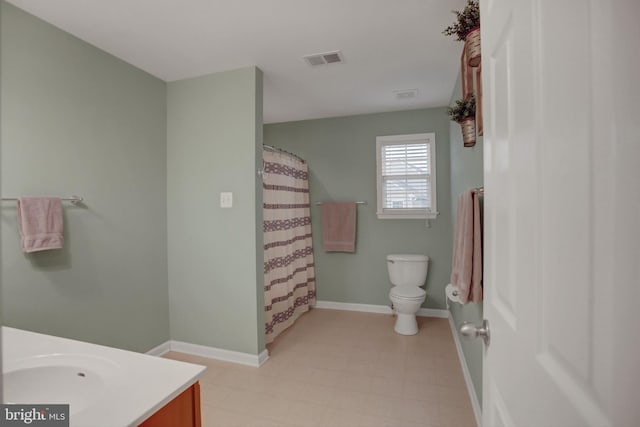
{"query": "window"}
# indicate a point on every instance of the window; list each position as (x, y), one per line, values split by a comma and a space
(406, 176)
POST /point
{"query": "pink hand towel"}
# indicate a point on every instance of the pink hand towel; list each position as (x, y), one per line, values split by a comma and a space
(40, 223)
(466, 269)
(339, 226)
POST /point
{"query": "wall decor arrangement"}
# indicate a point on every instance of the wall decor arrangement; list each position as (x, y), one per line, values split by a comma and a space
(467, 29)
(464, 113)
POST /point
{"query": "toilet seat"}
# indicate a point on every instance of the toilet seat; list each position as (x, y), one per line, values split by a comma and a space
(408, 293)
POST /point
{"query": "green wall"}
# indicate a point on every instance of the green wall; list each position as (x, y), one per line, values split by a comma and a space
(76, 120)
(150, 158)
(341, 153)
(213, 139)
(466, 172)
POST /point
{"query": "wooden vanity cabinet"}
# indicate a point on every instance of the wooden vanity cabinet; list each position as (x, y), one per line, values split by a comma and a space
(183, 411)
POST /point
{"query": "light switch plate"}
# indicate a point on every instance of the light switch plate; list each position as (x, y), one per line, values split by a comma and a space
(226, 200)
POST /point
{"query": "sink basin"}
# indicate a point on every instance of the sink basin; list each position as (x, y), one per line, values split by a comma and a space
(104, 386)
(77, 380)
(74, 386)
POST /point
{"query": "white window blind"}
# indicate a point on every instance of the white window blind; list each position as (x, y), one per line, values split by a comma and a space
(406, 176)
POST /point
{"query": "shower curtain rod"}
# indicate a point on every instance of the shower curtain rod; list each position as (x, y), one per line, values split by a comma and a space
(280, 150)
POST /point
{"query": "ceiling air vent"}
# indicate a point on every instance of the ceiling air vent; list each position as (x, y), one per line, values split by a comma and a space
(406, 94)
(324, 58)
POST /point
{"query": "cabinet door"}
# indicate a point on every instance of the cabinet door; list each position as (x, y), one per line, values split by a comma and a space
(183, 411)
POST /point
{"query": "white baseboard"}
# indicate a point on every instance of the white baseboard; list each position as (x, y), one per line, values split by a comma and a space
(220, 353)
(263, 357)
(433, 312)
(160, 350)
(477, 410)
(367, 308)
(382, 309)
(211, 353)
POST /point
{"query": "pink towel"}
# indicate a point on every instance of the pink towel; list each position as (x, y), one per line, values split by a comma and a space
(466, 269)
(339, 226)
(40, 223)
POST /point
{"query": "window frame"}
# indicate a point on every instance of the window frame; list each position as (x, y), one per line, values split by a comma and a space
(406, 213)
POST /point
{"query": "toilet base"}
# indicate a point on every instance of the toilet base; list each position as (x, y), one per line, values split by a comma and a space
(406, 324)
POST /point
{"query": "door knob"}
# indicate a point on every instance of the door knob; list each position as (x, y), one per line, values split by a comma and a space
(470, 330)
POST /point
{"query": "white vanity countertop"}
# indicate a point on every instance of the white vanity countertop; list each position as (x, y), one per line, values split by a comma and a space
(116, 388)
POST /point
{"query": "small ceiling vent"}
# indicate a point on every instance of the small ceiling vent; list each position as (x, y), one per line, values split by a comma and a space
(324, 58)
(406, 94)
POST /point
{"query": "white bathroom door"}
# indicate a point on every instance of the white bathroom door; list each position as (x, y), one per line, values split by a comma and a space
(562, 212)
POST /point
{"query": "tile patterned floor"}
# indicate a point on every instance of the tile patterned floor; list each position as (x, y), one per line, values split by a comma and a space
(339, 368)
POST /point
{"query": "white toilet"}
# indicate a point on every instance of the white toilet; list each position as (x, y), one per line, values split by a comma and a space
(407, 274)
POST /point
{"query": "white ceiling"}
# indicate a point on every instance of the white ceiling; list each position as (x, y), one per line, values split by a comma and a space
(387, 45)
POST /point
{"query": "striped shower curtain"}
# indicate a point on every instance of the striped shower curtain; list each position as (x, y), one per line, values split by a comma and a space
(289, 274)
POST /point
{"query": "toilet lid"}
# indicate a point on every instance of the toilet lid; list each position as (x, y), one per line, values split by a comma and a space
(408, 292)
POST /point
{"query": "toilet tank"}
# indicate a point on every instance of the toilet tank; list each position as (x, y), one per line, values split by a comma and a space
(407, 269)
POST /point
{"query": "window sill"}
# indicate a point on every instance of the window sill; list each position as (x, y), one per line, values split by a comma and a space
(430, 215)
